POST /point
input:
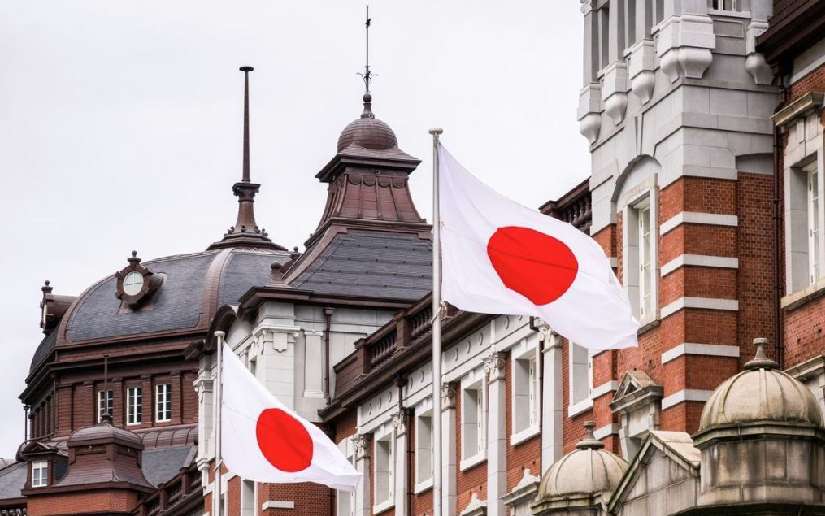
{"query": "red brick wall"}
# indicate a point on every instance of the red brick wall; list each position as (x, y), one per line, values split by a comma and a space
(310, 499)
(813, 81)
(103, 501)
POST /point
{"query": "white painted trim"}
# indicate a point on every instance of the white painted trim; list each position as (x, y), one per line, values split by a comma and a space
(604, 431)
(685, 395)
(693, 217)
(277, 504)
(475, 460)
(705, 303)
(383, 506)
(527, 433)
(699, 260)
(690, 348)
(614, 262)
(578, 408)
(601, 390)
(422, 486)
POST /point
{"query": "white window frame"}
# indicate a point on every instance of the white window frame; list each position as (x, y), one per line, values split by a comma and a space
(804, 224)
(577, 406)
(422, 448)
(639, 274)
(40, 473)
(525, 351)
(163, 402)
(134, 405)
(386, 440)
(813, 189)
(248, 507)
(101, 408)
(474, 381)
(347, 449)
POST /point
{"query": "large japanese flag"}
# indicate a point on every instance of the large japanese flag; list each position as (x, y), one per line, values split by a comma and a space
(499, 257)
(265, 441)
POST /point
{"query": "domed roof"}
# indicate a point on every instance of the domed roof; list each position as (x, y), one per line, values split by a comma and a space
(760, 393)
(105, 433)
(367, 132)
(587, 470)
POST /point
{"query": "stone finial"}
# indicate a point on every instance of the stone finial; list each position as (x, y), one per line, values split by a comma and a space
(589, 442)
(760, 359)
(47, 287)
(134, 258)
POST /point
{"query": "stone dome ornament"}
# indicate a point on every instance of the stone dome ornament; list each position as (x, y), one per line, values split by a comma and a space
(581, 480)
(761, 438)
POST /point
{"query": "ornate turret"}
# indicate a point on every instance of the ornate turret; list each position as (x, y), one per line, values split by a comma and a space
(245, 232)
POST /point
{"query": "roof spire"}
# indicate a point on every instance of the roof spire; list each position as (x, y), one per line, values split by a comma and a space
(367, 75)
(245, 232)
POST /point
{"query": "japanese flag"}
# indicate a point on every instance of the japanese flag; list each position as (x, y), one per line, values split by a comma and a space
(499, 257)
(265, 441)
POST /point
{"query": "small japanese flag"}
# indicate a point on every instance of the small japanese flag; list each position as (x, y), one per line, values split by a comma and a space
(263, 440)
(499, 257)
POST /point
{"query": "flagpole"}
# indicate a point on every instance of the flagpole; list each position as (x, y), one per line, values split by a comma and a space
(218, 392)
(436, 332)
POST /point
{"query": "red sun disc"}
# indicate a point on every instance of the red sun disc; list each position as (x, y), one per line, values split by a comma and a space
(534, 264)
(283, 440)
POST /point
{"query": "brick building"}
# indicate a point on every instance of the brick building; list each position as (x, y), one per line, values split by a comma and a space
(706, 190)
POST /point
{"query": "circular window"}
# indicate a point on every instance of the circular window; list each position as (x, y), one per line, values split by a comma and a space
(133, 283)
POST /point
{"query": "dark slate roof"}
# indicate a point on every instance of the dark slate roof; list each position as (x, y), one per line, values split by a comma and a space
(160, 465)
(12, 480)
(43, 350)
(377, 264)
(178, 303)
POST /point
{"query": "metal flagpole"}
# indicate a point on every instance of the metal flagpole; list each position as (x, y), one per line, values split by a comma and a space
(218, 393)
(436, 332)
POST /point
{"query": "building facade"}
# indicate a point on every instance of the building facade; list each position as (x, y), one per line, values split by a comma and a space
(705, 125)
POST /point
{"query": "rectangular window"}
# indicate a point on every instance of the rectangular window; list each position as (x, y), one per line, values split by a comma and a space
(472, 421)
(725, 5)
(134, 405)
(384, 465)
(423, 448)
(639, 250)
(40, 473)
(247, 498)
(163, 402)
(814, 231)
(604, 36)
(105, 404)
(645, 268)
(581, 377)
(525, 392)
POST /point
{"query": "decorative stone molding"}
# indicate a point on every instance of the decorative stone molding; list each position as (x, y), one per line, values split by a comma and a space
(399, 422)
(524, 491)
(447, 396)
(684, 46)
(799, 108)
(360, 444)
(614, 91)
(476, 507)
(641, 69)
(589, 112)
(755, 63)
(494, 367)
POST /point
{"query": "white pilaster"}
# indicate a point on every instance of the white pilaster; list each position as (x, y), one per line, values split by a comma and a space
(363, 503)
(400, 457)
(496, 435)
(313, 364)
(448, 448)
(552, 412)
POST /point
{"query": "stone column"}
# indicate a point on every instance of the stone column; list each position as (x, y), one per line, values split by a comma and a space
(552, 411)
(449, 468)
(591, 50)
(363, 504)
(496, 434)
(401, 470)
(313, 364)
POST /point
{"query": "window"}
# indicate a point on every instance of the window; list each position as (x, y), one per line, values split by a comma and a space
(472, 423)
(247, 498)
(163, 402)
(134, 405)
(526, 394)
(581, 379)
(105, 404)
(815, 266)
(726, 5)
(604, 36)
(639, 274)
(384, 465)
(40, 473)
(423, 450)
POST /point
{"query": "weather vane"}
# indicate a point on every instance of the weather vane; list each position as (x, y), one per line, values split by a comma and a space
(367, 75)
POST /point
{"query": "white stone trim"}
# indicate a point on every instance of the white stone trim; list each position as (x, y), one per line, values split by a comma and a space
(685, 395)
(694, 217)
(277, 504)
(475, 460)
(528, 433)
(601, 390)
(476, 507)
(582, 406)
(690, 348)
(705, 303)
(604, 431)
(699, 260)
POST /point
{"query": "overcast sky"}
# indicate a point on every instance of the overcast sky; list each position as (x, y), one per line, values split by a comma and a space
(120, 124)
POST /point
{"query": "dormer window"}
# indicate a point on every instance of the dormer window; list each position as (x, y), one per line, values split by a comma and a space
(136, 283)
(40, 473)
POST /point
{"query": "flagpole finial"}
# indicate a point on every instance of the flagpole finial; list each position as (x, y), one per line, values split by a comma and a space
(436, 132)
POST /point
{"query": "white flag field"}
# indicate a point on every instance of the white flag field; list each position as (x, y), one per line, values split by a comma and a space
(499, 257)
(265, 441)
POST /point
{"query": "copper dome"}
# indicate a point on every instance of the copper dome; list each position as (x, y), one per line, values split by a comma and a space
(367, 131)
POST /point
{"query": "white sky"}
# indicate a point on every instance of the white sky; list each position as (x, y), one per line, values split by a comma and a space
(120, 124)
